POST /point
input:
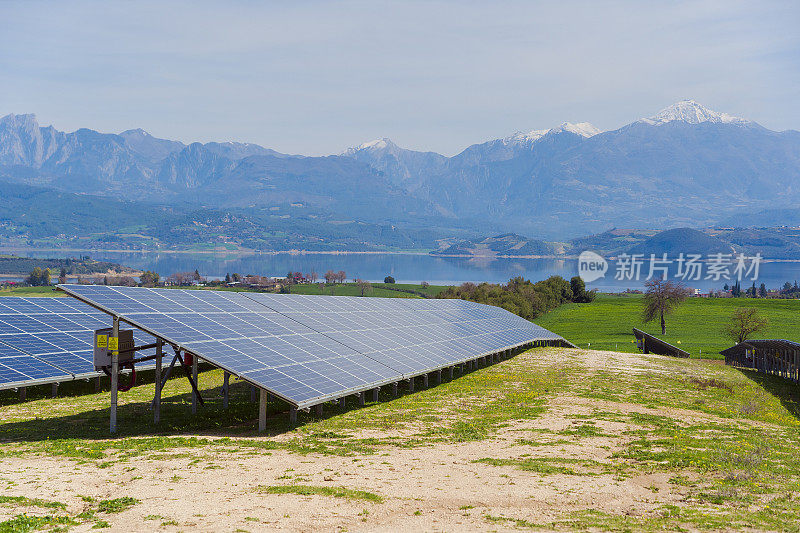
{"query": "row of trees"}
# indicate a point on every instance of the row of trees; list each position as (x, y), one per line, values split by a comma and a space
(788, 290)
(523, 297)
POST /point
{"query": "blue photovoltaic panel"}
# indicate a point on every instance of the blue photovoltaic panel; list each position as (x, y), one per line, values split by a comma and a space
(50, 339)
(307, 349)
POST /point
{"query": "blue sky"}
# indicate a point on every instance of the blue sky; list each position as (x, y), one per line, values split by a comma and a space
(317, 77)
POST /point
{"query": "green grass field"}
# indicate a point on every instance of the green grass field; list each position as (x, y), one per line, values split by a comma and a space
(696, 326)
(30, 291)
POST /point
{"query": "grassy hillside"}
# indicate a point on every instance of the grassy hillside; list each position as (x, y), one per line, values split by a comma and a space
(553, 439)
(696, 325)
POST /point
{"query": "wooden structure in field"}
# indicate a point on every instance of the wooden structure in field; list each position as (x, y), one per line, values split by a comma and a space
(769, 356)
(651, 344)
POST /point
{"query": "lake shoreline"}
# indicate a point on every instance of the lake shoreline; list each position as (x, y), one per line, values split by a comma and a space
(249, 253)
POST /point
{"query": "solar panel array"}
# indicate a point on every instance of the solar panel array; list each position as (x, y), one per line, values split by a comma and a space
(309, 349)
(45, 340)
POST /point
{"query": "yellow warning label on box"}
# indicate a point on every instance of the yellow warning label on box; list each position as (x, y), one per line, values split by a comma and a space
(113, 343)
(102, 341)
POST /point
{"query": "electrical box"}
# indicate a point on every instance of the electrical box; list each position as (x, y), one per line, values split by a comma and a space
(105, 343)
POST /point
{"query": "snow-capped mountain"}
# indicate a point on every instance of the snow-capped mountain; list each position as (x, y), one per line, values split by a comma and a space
(686, 165)
(402, 167)
(691, 112)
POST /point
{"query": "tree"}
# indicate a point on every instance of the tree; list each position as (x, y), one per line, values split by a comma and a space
(661, 298)
(62, 276)
(388, 279)
(227, 278)
(149, 278)
(744, 322)
(330, 276)
(236, 277)
(762, 291)
(313, 277)
(425, 284)
(579, 292)
(736, 290)
(38, 277)
(341, 276)
(364, 286)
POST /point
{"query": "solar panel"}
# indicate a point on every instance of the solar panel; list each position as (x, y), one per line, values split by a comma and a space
(309, 349)
(46, 340)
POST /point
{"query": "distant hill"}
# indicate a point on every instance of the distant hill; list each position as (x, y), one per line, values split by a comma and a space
(508, 244)
(611, 242)
(15, 265)
(682, 240)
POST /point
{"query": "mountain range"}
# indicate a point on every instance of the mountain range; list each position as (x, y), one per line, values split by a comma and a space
(685, 166)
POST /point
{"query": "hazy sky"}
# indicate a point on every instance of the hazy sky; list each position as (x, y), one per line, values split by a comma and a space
(317, 77)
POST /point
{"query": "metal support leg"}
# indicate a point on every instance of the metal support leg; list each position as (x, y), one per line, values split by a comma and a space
(361, 399)
(253, 393)
(342, 402)
(425, 380)
(23, 392)
(438, 377)
(194, 377)
(262, 412)
(114, 377)
(226, 378)
(293, 416)
(97, 384)
(394, 390)
(411, 385)
(318, 409)
(451, 371)
(54, 390)
(157, 399)
(375, 392)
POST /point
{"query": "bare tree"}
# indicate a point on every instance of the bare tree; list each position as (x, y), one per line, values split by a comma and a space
(661, 298)
(341, 276)
(330, 276)
(744, 322)
(313, 277)
(364, 286)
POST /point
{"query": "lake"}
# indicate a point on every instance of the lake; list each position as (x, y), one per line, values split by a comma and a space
(405, 268)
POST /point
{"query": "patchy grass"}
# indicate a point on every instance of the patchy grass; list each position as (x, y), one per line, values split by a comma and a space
(727, 441)
(22, 501)
(312, 490)
(22, 523)
(117, 505)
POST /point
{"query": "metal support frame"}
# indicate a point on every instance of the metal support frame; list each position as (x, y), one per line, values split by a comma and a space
(411, 385)
(262, 411)
(226, 378)
(318, 409)
(195, 392)
(394, 390)
(342, 402)
(451, 371)
(292, 416)
(114, 377)
(23, 392)
(157, 398)
(253, 393)
(54, 390)
(375, 392)
(361, 398)
(425, 380)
